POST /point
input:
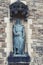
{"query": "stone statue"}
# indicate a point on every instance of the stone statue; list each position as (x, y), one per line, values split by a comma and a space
(18, 38)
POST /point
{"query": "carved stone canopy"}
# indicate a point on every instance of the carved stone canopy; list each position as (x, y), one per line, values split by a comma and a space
(19, 10)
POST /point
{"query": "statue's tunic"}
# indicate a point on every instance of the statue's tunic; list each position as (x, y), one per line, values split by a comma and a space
(18, 38)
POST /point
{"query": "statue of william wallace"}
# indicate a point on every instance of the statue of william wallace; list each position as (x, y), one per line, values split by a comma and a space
(18, 37)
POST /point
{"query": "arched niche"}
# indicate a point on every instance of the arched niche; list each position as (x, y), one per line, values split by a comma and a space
(19, 9)
(26, 24)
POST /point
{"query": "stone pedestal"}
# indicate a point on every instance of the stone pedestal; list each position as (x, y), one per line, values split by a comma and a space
(19, 60)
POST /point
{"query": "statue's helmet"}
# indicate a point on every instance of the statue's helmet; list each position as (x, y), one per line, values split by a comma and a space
(18, 21)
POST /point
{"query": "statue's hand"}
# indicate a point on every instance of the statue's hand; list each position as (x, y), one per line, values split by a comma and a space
(17, 34)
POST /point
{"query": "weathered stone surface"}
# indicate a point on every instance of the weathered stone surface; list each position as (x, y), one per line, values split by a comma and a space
(1, 61)
(4, 45)
(1, 50)
(4, 4)
(4, 54)
(36, 14)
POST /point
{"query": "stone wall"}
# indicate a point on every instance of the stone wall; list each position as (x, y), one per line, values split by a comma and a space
(4, 4)
(36, 14)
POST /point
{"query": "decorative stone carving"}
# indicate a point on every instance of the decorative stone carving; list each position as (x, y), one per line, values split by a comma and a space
(19, 9)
